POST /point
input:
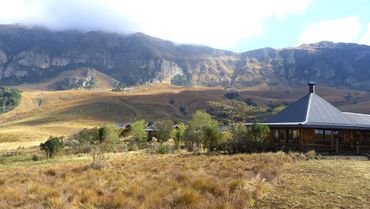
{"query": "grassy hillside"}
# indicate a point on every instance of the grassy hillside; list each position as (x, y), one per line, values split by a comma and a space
(43, 113)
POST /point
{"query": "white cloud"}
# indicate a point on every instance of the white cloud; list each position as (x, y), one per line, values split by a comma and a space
(365, 39)
(218, 23)
(339, 30)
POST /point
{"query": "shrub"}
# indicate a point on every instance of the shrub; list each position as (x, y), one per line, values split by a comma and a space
(201, 118)
(35, 158)
(165, 128)
(9, 99)
(232, 95)
(212, 137)
(164, 149)
(52, 146)
(251, 139)
(138, 132)
(179, 134)
(109, 134)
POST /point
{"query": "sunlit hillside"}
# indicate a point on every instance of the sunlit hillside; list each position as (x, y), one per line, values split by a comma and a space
(43, 113)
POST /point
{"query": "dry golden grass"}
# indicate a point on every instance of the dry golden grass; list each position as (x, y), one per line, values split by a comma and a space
(143, 181)
(321, 184)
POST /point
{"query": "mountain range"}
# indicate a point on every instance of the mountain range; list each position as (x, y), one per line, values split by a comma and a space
(32, 55)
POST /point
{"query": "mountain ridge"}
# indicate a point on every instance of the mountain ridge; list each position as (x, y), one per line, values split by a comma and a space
(29, 55)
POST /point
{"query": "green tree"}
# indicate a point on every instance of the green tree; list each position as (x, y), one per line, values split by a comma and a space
(179, 133)
(9, 99)
(109, 134)
(203, 130)
(138, 132)
(212, 137)
(258, 132)
(193, 138)
(165, 128)
(201, 118)
(52, 146)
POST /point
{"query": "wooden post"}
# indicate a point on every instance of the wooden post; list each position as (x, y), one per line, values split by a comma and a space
(332, 141)
(301, 138)
(351, 139)
(357, 147)
(337, 146)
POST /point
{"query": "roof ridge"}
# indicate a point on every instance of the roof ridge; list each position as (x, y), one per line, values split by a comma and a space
(308, 107)
(355, 113)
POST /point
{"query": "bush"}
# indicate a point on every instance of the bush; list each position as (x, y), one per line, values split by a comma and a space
(165, 128)
(9, 99)
(109, 134)
(179, 134)
(164, 149)
(52, 146)
(232, 95)
(138, 132)
(251, 139)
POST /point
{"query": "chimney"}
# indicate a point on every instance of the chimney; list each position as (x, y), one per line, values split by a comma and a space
(311, 87)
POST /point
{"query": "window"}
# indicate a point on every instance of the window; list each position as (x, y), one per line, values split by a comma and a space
(276, 133)
(293, 135)
(324, 136)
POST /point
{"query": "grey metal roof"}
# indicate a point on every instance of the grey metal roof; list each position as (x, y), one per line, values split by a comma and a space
(314, 111)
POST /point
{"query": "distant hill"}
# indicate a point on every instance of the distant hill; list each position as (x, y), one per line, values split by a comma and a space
(31, 55)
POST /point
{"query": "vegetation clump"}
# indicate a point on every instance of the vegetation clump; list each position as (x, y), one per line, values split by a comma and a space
(52, 146)
(9, 99)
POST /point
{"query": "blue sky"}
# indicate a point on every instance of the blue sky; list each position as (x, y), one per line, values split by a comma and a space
(285, 32)
(236, 25)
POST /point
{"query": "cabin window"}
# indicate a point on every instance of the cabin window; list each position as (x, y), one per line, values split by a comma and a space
(324, 136)
(276, 133)
(293, 135)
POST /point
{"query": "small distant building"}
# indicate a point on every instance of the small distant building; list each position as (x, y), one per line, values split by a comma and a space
(313, 123)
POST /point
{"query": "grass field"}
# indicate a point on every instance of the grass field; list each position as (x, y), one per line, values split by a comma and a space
(43, 113)
(139, 180)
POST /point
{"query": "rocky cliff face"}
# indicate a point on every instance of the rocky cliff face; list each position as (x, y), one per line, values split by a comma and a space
(29, 55)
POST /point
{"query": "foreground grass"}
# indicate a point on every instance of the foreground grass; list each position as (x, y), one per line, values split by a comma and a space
(144, 181)
(321, 184)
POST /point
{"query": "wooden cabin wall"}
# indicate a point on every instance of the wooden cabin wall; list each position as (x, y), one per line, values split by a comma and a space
(339, 141)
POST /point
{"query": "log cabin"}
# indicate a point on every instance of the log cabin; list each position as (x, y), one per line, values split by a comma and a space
(312, 123)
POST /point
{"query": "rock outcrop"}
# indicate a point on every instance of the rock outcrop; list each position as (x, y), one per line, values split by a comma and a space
(30, 55)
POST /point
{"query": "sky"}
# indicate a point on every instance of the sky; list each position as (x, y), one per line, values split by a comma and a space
(236, 25)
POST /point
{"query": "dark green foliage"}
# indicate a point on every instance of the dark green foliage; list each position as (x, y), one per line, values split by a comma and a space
(179, 134)
(118, 87)
(52, 146)
(164, 149)
(193, 138)
(87, 136)
(212, 137)
(232, 95)
(202, 130)
(248, 139)
(181, 80)
(183, 110)
(73, 83)
(249, 101)
(9, 99)
(165, 128)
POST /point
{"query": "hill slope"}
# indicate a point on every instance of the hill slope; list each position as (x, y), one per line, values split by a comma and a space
(29, 55)
(45, 113)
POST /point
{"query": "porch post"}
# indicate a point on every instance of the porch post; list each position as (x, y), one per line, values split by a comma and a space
(301, 136)
(332, 141)
(337, 146)
(351, 139)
